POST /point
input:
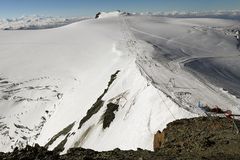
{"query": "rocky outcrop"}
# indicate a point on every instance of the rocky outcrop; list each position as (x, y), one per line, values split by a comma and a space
(97, 15)
(99, 102)
(108, 14)
(197, 138)
(30, 153)
(203, 137)
(109, 114)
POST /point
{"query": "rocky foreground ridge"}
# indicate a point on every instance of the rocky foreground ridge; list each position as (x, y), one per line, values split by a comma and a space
(196, 138)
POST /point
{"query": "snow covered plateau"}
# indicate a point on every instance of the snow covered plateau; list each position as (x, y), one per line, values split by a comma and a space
(113, 82)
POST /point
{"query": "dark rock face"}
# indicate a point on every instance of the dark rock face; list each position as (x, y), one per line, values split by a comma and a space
(238, 44)
(30, 153)
(197, 138)
(109, 115)
(64, 132)
(116, 154)
(99, 103)
(97, 15)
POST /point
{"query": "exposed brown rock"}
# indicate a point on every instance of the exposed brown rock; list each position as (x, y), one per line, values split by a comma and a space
(158, 140)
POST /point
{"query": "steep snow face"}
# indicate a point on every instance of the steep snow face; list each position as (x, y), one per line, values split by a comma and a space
(105, 83)
(141, 111)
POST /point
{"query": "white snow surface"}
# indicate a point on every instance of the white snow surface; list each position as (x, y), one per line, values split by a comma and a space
(50, 78)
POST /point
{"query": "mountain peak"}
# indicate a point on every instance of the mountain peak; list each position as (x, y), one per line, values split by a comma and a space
(108, 14)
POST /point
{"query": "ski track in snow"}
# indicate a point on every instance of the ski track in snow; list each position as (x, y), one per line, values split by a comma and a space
(153, 86)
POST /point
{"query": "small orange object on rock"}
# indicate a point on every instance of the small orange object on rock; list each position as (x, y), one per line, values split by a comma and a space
(158, 140)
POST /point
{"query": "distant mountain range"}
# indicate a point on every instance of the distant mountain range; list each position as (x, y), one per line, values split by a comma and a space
(43, 22)
(36, 22)
(234, 14)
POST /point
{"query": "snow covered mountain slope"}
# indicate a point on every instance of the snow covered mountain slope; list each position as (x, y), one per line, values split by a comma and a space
(110, 82)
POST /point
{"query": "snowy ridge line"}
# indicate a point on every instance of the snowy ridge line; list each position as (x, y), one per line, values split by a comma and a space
(143, 72)
(148, 78)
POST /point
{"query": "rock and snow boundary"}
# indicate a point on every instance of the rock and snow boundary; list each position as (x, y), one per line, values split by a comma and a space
(211, 138)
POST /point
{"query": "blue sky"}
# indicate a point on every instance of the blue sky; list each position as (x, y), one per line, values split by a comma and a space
(17, 8)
